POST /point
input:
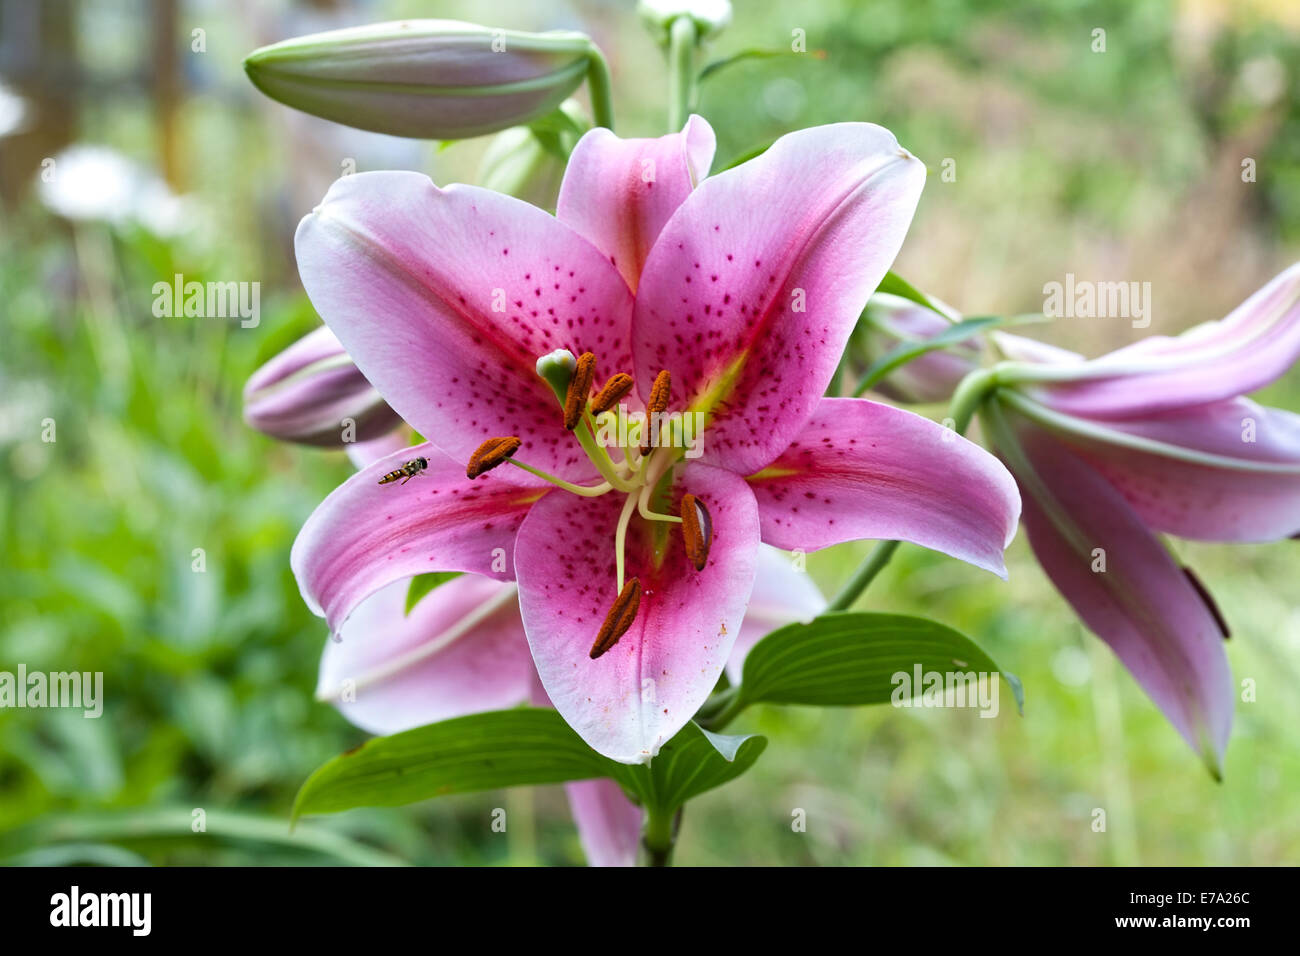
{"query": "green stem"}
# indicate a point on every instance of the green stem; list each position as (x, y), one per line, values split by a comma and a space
(875, 563)
(600, 89)
(659, 836)
(971, 393)
(681, 71)
(727, 706)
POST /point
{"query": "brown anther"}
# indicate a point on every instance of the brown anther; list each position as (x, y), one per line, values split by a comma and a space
(619, 618)
(1208, 598)
(490, 454)
(575, 399)
(697, 530)
(659, 392)
(618, 385)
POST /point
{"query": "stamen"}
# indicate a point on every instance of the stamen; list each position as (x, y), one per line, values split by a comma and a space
(619, 619)
(575, 400)
(697, 531)
(586, 491)
(659, 393)
(490, 454)
(618, 385)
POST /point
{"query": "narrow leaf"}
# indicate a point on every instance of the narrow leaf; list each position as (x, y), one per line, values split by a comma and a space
(504, 748)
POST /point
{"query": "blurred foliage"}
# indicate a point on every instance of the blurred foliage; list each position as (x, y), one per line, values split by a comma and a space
(1122, 164)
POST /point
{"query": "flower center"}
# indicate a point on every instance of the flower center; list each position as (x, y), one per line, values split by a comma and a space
(645, 455)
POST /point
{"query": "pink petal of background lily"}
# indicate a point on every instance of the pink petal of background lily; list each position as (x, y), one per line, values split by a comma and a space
(750, 285)
(1156, 438)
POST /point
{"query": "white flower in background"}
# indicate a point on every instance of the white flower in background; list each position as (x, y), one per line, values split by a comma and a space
(13, 112)
(710, 16)
(88, 183)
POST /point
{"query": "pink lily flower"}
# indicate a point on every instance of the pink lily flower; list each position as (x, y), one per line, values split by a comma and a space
(728, 299)
(1156, 438)
(462, 650)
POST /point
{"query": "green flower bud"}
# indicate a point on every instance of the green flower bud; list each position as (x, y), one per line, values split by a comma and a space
(428, 79)
(709, 16)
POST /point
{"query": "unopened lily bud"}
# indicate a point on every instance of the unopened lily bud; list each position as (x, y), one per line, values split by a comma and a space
(932, 377)
(429, 79)
(313, 394)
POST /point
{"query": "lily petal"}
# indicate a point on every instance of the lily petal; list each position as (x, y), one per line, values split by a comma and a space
(609, 824)
(626, 703)
(1226, 471)
(366, 535)
(445, 298)
(1018, 348)
(618, 193)
(782, 595)
(309, 392)
(860, 469)
(1142, 604)
(755, 283)
(363, 453)
(1254, 345)
(460, 651)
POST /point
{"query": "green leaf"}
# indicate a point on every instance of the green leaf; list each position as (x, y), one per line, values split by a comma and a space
(422, 584)
(503, 748)
(103, 837)
(508, 748)
(895, 284)
(753, 53)
(848, 658)
(691, 763)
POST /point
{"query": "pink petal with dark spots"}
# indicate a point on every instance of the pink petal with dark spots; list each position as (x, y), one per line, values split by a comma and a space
(860, 469)
(366, 535)
(618, 193)
(630, 701)
(755, 283)
(445, 298)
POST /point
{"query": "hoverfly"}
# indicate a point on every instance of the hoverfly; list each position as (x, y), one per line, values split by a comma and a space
(409, 470)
